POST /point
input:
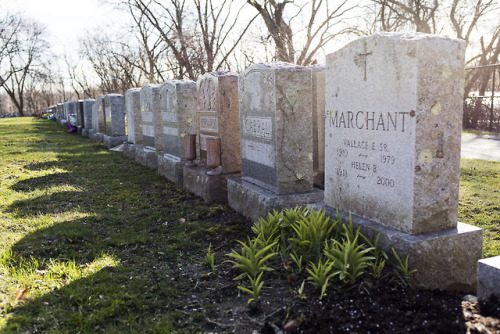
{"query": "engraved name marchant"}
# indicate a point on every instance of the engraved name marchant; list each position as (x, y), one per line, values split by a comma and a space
(369, 120)
(260, 127)
(209, 124)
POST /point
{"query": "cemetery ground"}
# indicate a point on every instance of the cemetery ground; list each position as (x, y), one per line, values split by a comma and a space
(94, 242)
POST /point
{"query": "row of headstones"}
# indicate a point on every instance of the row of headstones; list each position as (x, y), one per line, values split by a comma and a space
(379, 128)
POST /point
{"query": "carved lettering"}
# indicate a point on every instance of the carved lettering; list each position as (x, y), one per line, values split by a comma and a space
(260, 127)
(368, 120)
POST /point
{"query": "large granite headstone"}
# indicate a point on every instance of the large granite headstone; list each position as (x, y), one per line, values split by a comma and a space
(151, 127)
(218, 120)
(178, 115)
(393, 127)
(276, 123)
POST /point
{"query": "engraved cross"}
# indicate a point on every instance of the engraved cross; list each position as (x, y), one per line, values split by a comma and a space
(362, 57)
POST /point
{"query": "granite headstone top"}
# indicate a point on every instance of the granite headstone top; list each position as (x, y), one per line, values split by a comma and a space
(134, 117)
(276, 127)
(393, 127)
(219, 117)
(178, 114)
(151, 117)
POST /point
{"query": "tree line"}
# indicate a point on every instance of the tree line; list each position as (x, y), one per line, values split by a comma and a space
(182, 39)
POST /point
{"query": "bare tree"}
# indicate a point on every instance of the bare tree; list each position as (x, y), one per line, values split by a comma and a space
(22, 56)
(319, 22)
(198, 36)
(418, 15)
(113, 61)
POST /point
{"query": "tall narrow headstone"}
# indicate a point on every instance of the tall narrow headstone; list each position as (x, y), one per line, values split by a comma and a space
(134, 122)
(218, 122)
(393, 127)
(276, 125)
(151, 127)
(219, 117)
(134, 117)
(114, 116)
(87, 117)
(98, 120)
(318, 110)
(79, 116)
(60, 112)
(178, 114)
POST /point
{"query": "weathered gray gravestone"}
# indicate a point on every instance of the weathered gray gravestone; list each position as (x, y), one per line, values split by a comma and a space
(318, 109)
(393, 127)
(151, 127)
(87, 117)
(178, 114)
(276, 123)
(218, 133)
(98, 120)
(134, 121)
(114, 119)
(80, 121)
(59, 112)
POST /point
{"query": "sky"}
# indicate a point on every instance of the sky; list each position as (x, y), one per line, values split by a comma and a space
(66, 20)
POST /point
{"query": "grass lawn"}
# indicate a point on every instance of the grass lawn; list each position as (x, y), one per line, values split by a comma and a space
(91, 241)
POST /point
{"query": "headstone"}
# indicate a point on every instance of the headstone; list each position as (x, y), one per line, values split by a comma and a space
(60, 112)
(79, 116)
(151, 117)
(151, 127)
(114, 119)
(276, 127)
(318, 109)
(70, 114)
(218, 123)
(393, 127)
(219, 117)
(98, 119)
(87, 117)
(178, 113)
(488, 284)
(134, 119)
(276, 123)
(134, 122)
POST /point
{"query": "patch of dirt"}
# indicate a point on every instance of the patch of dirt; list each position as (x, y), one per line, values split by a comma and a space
(368, 307)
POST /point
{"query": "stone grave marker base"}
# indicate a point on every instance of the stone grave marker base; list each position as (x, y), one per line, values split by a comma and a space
(212, 188)
(113, 141)
(171, 168)
(147, 157)
(85, 133)
(97, 137)
(255, 202)
(129, 150)
(445, 260)
(488, 278)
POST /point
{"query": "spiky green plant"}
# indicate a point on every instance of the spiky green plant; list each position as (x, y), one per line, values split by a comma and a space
(256, 287)
(311, 232)
(252, 259)
(320, 274)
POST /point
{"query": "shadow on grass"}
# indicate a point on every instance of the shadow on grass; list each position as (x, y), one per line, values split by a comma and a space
(150, 229)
